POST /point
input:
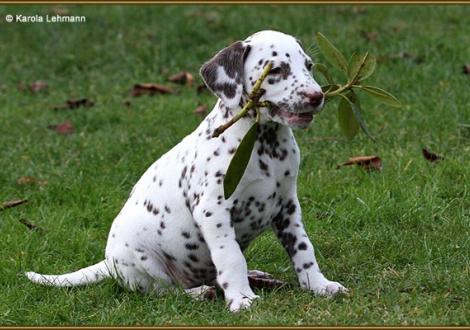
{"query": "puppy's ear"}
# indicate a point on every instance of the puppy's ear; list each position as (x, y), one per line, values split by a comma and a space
(223, 74)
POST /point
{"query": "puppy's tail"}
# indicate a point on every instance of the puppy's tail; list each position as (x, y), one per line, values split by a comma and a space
(87, 275)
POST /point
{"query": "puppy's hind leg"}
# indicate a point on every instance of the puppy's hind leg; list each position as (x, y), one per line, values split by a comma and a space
(204, 292)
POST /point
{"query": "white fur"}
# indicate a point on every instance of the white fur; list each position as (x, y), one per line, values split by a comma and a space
(171, 244)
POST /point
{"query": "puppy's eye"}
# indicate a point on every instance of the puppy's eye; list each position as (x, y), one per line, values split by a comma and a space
(275, 71)
(309, 65)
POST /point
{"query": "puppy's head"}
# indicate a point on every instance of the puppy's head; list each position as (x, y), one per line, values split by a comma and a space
(290, 88)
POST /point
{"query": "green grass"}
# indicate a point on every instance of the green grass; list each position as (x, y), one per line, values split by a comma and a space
(399, 239)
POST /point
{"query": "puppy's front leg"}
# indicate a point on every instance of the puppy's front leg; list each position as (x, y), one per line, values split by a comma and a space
(232, 272)
(290, 230)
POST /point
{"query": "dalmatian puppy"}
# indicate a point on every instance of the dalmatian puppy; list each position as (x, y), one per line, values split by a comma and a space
(177, 229)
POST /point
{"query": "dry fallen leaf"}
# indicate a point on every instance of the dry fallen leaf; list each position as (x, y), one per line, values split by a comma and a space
(30, 225)
(12, 203)
(183, 78)
(466, 69)
(201, 110)
(150, 89)
(201, 88)
(208, 16)
(358, 10)
(76, 103)
(261, 280)
(370, 36)
(22, 86)
(38, 86)
(64, 129)
(417, 59)
(30, 180)
(432, 157)
(61, 11)
(369, 163)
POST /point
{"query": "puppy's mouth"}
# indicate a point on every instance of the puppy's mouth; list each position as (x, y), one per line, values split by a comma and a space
(299, 117)
(296, 118)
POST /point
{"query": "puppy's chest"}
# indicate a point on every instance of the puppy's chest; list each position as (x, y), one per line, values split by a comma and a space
(268, 183)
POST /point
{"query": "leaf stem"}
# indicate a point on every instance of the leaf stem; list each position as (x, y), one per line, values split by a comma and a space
(253, 102)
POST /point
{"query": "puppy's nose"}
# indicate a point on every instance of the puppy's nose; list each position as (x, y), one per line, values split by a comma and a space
(315, 98)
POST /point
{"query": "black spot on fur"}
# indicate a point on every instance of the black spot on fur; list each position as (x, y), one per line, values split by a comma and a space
(193, 257)
(262, 165)
(191, 246)
(302, 246)
(308, 265)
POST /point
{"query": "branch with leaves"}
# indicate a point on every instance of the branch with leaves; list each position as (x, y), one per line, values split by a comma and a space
(358, 69)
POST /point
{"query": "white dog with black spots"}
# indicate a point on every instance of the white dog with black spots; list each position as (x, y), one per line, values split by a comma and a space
(177, 229)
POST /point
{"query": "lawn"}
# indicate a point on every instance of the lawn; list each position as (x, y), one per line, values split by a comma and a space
(398, 238)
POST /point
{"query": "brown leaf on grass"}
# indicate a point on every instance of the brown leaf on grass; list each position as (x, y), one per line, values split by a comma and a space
(208, 16)
(38, 86)
(201, 88)
(31, 180)
(61, 11)
(30, 225)
(370, 36)
(150, 89)
(183, 78)
(201, 110)
(34, 87)
(21, 86)
(369, 163)
(399, 26)
(358, 10)
(432, 157)
(12, 203)
(263, 280)
(65, 128)
(417, 59)
(75, 103)
(466, 69)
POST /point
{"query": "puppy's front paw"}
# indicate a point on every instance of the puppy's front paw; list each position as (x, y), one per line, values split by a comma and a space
(240, 302)
(328, 288)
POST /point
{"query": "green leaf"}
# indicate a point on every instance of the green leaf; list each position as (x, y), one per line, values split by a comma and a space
(353, 101)
(239, 162)
(361, 67)
(381, 95)
(347, 120)
(355, 64)
(332, 54)
(324, 71)
(368, 68)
